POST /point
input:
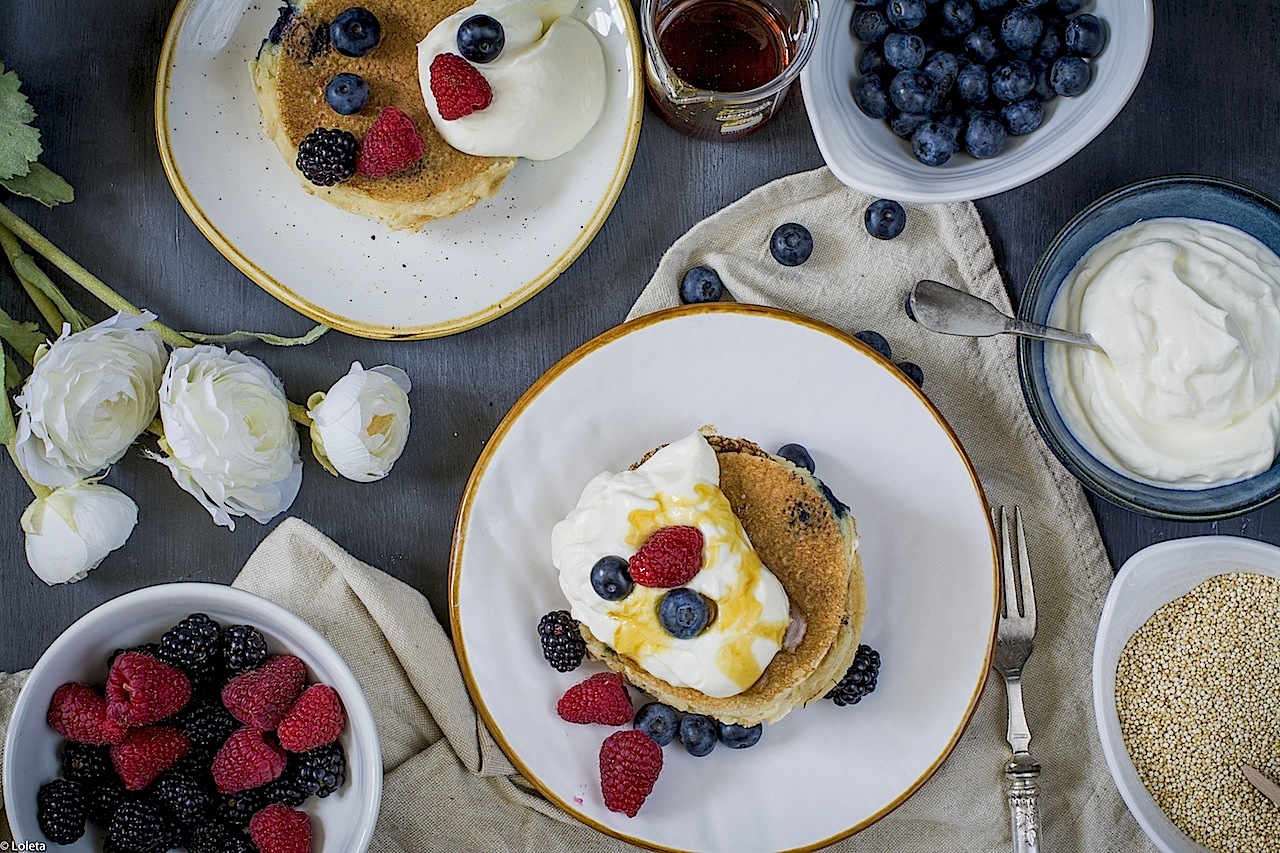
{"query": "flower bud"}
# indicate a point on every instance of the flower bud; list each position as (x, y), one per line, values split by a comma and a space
(73, 528)
(360, 427)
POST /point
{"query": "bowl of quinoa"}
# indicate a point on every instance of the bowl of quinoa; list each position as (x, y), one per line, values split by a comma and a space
(1186, 688)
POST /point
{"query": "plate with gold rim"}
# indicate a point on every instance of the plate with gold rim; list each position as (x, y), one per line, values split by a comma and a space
(355, 274)
(881, 447)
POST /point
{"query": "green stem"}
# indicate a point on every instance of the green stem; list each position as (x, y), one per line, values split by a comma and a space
(299, 414)
(50, 311)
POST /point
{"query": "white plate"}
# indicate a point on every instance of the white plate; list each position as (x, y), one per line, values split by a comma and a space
(352, 273)
(1147, 581)
(864, 154)
(927, 548)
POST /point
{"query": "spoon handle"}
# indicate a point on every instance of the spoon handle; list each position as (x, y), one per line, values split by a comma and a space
(1047, 333)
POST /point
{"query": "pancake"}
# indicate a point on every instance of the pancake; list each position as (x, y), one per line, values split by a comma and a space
(809, 541)
(289, 78)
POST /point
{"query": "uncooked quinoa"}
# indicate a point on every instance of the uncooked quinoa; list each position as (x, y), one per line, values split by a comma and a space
(1198, 692)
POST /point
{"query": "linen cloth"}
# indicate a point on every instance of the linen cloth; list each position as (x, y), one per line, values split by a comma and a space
(449, 787)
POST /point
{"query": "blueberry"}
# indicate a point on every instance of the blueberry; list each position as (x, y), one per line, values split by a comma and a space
(958, 18)
(981, 44)
(1069, 76)
(913, 91)
(1043, 89)
(698, 733)
(735, 736)
(984, 136)
(1022, 117)
(1084, 35)
(943, 67)
(658, 721)
(954, 123)
(906, 124)
(1021, 28)
(885, 219)
(1033, 4)
(683, 613)
(791, 244)
(1070, 7)
(876, 341)
(871, 60)
(1050, 46)
(701, 284)
(870, 96)
(355, 32)
(1012, 80)
(347, 93)
(868, 26)
(973, 84)
(611, 578)
(480, 39)
(903, 50)
(798, 455)
(989, 5)
(906, 14)
(933, 143)
(913, 371)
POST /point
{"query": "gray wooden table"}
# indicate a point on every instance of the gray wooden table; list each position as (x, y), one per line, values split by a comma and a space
(1209, 103)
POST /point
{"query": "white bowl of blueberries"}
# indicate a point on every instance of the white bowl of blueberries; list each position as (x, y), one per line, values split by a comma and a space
(952, 100)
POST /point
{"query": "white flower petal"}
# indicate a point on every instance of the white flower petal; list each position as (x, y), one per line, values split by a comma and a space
(71, 530)
(361, 426)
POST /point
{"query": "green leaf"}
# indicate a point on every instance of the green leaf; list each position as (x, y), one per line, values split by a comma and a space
(7, 426)
(42, 184)
(26, 268)
(265, 337)
(25, 338)
(19, 141)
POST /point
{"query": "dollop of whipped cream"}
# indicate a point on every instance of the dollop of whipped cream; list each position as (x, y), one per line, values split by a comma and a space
(677, 485)
(1187, 394)
(548, 82)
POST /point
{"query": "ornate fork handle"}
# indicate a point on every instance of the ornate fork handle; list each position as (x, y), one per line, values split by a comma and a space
(1023, 775)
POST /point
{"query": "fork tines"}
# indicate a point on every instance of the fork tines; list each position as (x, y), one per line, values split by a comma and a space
(1019, 601)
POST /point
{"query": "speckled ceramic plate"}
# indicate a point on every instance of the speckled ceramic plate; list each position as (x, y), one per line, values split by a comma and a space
(822, 772)
(352, 273)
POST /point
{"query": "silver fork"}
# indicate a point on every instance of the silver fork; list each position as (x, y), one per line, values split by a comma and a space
(1014, 641)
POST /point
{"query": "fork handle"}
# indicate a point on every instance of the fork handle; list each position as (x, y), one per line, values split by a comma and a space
(1023, 775)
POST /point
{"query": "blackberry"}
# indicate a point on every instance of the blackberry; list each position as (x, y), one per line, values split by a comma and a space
(139, 826)
(207, 724)
(152, 649)
(243, 648)
(184, 797)
(61, 810)
(236, 809)
(562, 644)
(327, 156)
(860, 680)
(192, 646)
(84, 763)
(104, 800)
(288, 790)
(322, 770)
(220, 838)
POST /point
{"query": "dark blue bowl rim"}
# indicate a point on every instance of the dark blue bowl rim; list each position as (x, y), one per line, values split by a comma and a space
(1170, 504)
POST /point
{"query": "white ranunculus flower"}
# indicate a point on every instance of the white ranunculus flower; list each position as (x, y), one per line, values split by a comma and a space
(227, 433)
(360, 427)
(73, 528)
(87, 399)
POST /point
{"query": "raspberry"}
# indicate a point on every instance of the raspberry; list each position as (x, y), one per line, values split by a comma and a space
(562, 643)
(670, 557)
(314, 720)
(280, 829)
(246, 761)
(459, 89)
(260, 697)
(142, 689)
(147, 752)
(602, 698)
(79, 714)
(392, 143)
(630, 762)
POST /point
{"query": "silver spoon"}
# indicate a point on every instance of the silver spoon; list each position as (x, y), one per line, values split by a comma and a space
(941, 308)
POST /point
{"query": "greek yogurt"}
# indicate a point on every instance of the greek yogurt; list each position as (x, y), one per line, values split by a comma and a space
(548, 82)
(677, 485)
(1187, 392)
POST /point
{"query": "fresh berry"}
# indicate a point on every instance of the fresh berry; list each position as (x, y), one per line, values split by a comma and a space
(1012, 80)
(287, 790)
(207, 724)
(323, 770)
(1085, 35)
(1021, 28)
(61, 810)
(913, 371)
(912, 91)
(220, 838)
(798, 455)
(327, 156)
(683, 613)
(868, 25)
(611, 578)
(735, 736)
(78, 712)
(280, 829)
(392, 144)
(671, 556)
(699, 734)
(859, 680)
(1024, 116)
(243, 648)
(260, 697)
(147, 752)
(84, 763)
(355, 32)
(459, 89)
(701, 284)
(186, 799)
(236, 808)
(480, 38)
(139, 825)
(142, 689)
(876, 341)
(791, 244)
(602, 698)
(871, 96)
(192, 646)
(630, 762)
(1069, 76)
(984, 136)
(885, 219)
(562, 643)
(933, 143)
(246, 761)
(315, 719)
(347, 93)
(659, 721)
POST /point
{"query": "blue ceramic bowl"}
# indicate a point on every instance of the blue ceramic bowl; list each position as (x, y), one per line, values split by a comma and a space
(1175, 195)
